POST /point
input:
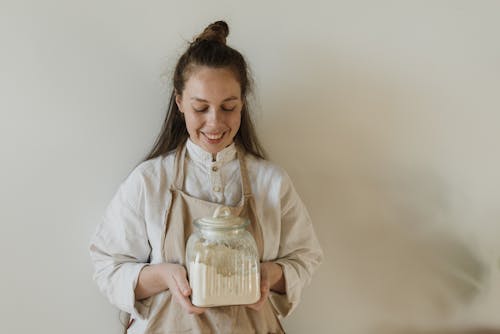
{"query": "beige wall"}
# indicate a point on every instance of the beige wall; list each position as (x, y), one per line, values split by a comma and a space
(384, 113)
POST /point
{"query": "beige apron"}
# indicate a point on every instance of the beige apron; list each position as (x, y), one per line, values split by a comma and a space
(166, 315)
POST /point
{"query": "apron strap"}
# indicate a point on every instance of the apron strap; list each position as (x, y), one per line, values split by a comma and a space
(180, 154)
(245, 182)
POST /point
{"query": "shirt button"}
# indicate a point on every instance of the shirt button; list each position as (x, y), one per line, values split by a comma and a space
(217, 189)
(214, 168)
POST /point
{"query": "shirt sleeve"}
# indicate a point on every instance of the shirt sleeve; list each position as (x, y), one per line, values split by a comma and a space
(299, 252)
(119, 249)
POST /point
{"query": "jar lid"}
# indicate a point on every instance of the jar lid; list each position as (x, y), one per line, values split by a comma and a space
(222, 218)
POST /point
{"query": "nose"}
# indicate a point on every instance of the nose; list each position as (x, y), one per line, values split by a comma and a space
(215, 115)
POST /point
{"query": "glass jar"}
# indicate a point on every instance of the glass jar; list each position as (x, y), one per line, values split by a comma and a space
(222, 261)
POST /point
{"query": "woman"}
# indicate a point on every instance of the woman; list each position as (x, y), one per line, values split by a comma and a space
(207, 154)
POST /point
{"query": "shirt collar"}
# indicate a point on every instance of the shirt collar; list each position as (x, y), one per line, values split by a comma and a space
(197, 154)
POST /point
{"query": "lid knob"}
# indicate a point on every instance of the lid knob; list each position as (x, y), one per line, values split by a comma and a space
(222, 212)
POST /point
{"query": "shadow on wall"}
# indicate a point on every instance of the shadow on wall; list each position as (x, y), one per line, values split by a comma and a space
(360, 151)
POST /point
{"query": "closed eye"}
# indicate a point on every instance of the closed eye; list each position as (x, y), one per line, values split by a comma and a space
(223, 108)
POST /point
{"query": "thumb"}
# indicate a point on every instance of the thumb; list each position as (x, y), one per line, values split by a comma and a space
(183, 285)
(264, 282)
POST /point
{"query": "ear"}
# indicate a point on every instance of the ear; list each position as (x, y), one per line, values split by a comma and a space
(178, 101)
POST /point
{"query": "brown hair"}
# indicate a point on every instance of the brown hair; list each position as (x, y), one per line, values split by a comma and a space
(208, 49)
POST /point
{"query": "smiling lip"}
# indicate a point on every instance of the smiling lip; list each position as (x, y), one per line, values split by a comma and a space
(214, 138)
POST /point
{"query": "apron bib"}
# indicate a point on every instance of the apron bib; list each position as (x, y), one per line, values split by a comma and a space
(166, 316)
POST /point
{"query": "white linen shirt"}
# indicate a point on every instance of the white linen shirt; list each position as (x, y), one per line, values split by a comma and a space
(129, 235)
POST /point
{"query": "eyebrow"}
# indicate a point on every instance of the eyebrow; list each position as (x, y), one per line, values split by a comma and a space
(231, 98)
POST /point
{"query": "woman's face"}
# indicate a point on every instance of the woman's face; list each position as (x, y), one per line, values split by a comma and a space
(211, 104)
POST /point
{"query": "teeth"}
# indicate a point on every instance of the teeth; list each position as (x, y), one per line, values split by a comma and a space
(214, 136)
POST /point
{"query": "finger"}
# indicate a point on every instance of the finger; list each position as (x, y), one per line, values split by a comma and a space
(265, 285)
(264, 288)
(193, 309)
(180, 277)
(184, 300)
(258, 305)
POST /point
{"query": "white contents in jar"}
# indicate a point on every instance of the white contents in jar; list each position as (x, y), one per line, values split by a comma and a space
(211, 287)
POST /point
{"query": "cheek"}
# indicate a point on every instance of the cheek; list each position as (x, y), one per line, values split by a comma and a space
(236, 122)
(192, 123)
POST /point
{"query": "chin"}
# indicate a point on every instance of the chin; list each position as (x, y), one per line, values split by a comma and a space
(211, 149)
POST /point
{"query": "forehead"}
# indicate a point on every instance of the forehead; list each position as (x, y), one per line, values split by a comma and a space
(212, 83)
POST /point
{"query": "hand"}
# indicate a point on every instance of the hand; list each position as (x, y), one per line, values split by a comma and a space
(175, 277)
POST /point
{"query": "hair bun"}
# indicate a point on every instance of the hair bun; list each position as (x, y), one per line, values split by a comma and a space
(217, 31)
